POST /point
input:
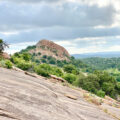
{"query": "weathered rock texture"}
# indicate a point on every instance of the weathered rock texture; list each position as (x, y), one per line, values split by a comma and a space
(49, 48)
(23, 97)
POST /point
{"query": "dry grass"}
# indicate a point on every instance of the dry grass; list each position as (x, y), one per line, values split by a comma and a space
(92, 99)
(111, 114)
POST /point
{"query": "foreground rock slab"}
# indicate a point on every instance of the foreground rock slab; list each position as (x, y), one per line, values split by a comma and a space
(23, 97)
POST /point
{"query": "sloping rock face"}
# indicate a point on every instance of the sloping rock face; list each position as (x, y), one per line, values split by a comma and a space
(49, 48)
(23, 97)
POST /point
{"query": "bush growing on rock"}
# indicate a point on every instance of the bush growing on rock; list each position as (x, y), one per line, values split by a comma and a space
(15, 60)
(50, 69)
(43, 60)
(26, 56)
(8, 64)
(101, 93)
(56, 71)
(2, 63)
(24, 65)
(52, 61)
(41, 71)
(71, 69)
(79, 81)
(70, 77)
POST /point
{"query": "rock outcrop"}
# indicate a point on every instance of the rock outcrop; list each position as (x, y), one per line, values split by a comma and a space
(5, 55)
(24, 97)
(49, 48)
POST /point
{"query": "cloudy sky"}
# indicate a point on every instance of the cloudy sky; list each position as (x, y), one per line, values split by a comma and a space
(81, 26)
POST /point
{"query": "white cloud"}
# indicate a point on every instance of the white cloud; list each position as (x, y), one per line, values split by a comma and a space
(17, 47)
(9, 33)
(93, 49)
(66, 43)
(81, 26)
(114, 48)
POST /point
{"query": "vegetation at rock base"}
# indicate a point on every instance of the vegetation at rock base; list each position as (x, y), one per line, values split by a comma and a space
(8, 64)
(42, 72)
(70, 77)
(101, 93)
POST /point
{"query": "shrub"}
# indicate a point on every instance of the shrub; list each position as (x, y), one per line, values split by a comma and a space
(44, 56)
(59, 63)
(79, 81)
(26, 56)
(41, 71)
(8, 64)
(89, 83)
(71, 69)
(33, 54)
(49, 57)
(17, 55)
(24, 65)
(37, 61)
(50, 69)
(108, 87)
(118, 87)
(15, 60)
(45, 66)
(39, 53)
(70, 77)
(43, 60)
(2, 63)
(52, 61)
(101, 93)
(56, 71)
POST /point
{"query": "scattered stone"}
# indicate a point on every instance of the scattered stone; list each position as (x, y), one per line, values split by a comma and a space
(17, 69)
(57, 78)
(71, 96)
(31, 74)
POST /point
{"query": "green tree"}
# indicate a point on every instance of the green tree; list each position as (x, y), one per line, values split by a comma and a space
(8, 64)
(3, 45)
(118, 87)
(70, 77)
(101, 93)
(79, 81)
(45, 56)
(24, 65)
(71, 69)
(108, 87)
(52, 61)
(42, 72)
(26, 56)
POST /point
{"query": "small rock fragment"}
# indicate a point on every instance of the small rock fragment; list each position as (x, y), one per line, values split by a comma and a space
(71, 96)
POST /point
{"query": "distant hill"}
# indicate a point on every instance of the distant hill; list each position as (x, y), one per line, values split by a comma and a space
(48, 48)
(98, 54)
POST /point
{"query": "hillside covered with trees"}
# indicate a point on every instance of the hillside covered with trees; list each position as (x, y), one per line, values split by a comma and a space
(110, 65)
